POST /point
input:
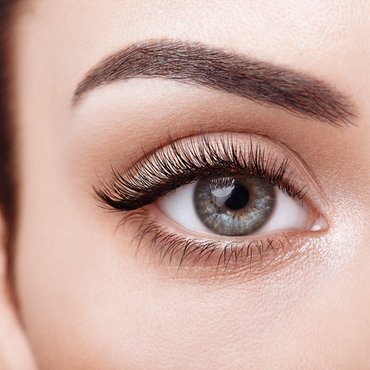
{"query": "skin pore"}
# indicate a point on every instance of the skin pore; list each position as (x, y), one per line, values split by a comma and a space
(86, 298)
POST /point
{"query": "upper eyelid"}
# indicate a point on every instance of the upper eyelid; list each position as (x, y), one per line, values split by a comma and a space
(122, 182)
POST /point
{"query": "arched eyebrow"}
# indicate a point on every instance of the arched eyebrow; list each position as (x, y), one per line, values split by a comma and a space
(216, 68)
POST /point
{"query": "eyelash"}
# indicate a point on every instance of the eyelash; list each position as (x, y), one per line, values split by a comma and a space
(183, 163)
(211, 258)
(186, 161)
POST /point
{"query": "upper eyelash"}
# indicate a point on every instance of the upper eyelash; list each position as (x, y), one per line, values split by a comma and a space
(185, 162)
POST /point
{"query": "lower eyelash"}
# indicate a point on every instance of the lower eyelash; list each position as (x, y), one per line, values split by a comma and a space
(211, 258)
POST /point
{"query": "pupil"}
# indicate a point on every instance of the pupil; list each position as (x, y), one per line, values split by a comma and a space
(238, 198)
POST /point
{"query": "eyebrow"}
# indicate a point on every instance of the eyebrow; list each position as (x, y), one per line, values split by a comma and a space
(216, 68)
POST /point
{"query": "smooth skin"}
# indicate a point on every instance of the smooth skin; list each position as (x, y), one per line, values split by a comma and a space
(85, 301)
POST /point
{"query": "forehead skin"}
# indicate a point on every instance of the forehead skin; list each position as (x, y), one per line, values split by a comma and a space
(83, 304)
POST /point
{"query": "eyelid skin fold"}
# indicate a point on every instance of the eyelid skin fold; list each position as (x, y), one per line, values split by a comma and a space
(132, 194)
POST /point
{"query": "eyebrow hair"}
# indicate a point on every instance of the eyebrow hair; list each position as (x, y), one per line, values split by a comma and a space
(216, 68)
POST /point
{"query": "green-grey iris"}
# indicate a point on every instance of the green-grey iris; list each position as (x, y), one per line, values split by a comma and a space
(234, 205)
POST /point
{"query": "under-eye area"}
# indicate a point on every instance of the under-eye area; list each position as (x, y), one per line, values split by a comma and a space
(217, 203)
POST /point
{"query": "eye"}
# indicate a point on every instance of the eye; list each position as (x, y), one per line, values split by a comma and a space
(233, 206)
(237, 200)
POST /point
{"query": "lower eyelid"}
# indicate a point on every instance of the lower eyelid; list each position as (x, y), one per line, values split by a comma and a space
(167, 247)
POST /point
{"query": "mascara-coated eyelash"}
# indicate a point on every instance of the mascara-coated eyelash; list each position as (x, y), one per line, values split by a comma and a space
(185, 161)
